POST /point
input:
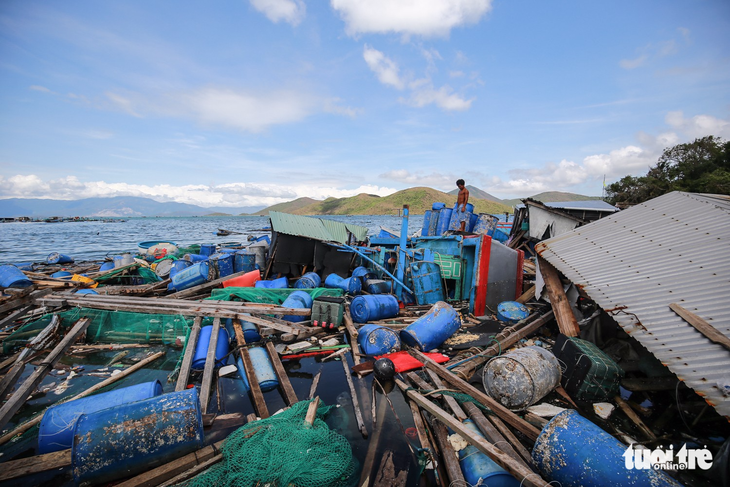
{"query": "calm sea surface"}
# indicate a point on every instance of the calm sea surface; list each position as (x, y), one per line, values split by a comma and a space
(32, 242)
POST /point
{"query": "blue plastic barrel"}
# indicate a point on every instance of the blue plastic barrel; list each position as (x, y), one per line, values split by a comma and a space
(378, 286)
(86, 291)
(222, 262)
(485, 224)
(434, 223)
(56, 258)
(226, 250)
(573, 451)
(444, 219)
(297, 300)
(377, 340)
(106, 266)
(472, 221)
(207, 249)
(438, 206)
(63, 275)
(128, 439)
(455, 224)
(192, 276)
(262, 367)
(57, 426)
(195, 257)
(432, 329)
(512, 311)
(479, 469)
(427, 285)
(426, 223)
(280, 283)
(309, 280)
(351, 285)
(250, 331)
(201, 348)
(178, 266)
(363, 273)
(374, 307)
(243, 261)
(24, 266)
(11, 276)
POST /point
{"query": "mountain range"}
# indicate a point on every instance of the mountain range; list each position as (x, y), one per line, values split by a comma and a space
(419, 200)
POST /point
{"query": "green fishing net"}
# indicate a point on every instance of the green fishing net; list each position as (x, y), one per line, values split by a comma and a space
(282, 451)
(271, 296)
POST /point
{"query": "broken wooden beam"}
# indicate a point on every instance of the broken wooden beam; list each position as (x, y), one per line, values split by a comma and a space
(256, 393)
(14, 469)
(187, 361)
(699, 324)
(355, 402)
(289, 394)
(208, 376)
(558, 300)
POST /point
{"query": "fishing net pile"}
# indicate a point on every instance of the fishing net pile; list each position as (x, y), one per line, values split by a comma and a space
(283, 451)
(271, 296)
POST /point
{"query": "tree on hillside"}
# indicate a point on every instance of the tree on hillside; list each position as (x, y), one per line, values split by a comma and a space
(702, 166)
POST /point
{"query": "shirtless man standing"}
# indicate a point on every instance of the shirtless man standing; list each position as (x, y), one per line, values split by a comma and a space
(461, 202)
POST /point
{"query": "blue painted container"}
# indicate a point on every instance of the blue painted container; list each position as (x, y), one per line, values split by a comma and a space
(309, 280)
(86, 291)
(222, 263)
(573, 451)
(263, 369)
(512, 311)
(427, 285)
(363, 273)
(264, 238)
(432, 329)
(298, 300)
(194, 258)
(243, 261)
(207, 249)
(192, 276)
(455, 224)
(438, 206)
(377, 340)
(444, 219)
(56, 258)
(178, 266)
(106, 266)
(479, 469)
(378, 286)
(63, 275)
(434, 223)
(374, 307)
(250, 331)
(485, 224)
(426, 223)
(222, 347)
(11, 276)
(499, 235)
(24, 266)
(351, 285)
(280, 283)
(128, 439)
(56, 431)
(472, 221)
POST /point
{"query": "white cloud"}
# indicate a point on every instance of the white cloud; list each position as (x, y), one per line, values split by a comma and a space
(123, 103)
(654, 51)
(426, 94)
(699, 125)
(633, 63)
(418, 178)
(291, 11)
(409, 17)
(384, 68)
(40, 88)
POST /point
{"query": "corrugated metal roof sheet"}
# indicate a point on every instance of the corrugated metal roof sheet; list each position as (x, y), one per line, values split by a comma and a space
(672, 249)
(592, 205)
(315, 228)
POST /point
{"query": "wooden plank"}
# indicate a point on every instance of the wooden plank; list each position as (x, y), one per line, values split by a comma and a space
(352, 332)
(284, 383)
(258, 396)
(207, 380)
(37, 419)
(518, 470)
(511, 438)
(21, 395)
(16, 302)
(311, 412)
(448, 456)
(491, 433)
(527, 295)
(269, 324)
(32, 465)
(515, 421)
(315, 382)
(187, 362)
(203, 287)
(699, 324)
(558, 300)
(450, 401)
(634, 418)
(15, 315)
(387, 477)
(192, 472)
(355, 402)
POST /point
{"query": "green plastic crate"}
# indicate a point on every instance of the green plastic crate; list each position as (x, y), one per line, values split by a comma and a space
(589, 374)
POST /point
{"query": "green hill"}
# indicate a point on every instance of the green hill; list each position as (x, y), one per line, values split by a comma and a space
(419, 200)
(553, 197)
(475, 192)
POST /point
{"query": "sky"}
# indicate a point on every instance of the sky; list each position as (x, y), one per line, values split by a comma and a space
(255, 102)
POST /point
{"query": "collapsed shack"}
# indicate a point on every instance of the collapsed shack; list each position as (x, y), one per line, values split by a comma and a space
(549, 387)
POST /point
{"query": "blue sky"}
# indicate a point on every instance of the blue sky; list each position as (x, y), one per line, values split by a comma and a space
(238, 103)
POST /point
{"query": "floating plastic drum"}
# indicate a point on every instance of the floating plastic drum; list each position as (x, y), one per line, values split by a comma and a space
(24, 266)
(164, 267)
(444, 220)
(192, 276)
(248, 279)
(250, 331)
(259, 252)
(377, 286)
(201, 348)
(106, 266)
(512, 311)
(309, 280)
(573, 451)
(222, 263)
(484, 224)
(374, 308)
(56, 430)
(178, 266)
(244, 261)
(298, 300)
(432, 329)
(86, 291)
(56, 258)
(479, 469)
(520, 378)
(194, 258)
(62, 275)
(128, 439)
(280, 283)
(11, 276)
(426, 223)
(438, 206)
(351, 285)
(207, 249)
(262, 367)
(123, 260)
(377, 340)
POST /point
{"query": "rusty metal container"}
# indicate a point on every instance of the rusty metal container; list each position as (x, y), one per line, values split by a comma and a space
(520, 378)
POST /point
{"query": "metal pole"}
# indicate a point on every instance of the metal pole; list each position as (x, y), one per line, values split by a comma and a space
(402, 249)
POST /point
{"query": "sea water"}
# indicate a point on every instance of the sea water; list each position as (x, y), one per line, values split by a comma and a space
(95, 240)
